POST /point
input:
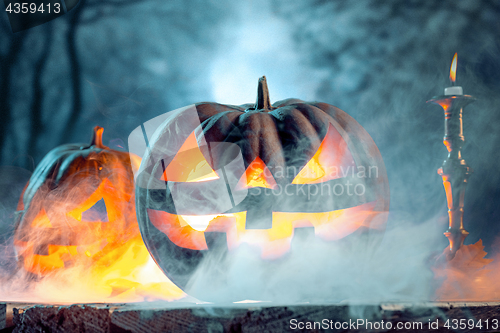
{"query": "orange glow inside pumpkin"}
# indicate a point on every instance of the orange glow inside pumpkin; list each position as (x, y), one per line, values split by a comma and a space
(273, 242)
(256, 175)
(188, 231)
(107, 260)
(324, 165)
(41, 220)
(189, 164)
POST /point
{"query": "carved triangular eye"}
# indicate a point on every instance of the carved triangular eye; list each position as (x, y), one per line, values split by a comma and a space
(94, 208)
(331, 160)
(97, 212)
(189, 164)
(256, 175)
(41, 220)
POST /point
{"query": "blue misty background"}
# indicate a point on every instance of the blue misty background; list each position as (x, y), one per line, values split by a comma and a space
(119, 63)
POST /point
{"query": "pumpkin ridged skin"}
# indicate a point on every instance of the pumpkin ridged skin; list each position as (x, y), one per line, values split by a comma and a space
(69, 174)
(284, 134)
(69, 159)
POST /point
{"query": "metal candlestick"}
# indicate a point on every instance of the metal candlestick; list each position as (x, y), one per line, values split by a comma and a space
(454, 170)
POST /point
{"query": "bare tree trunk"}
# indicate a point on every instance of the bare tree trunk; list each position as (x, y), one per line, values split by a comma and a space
(75, 72)
(36, 124)
(6, 66)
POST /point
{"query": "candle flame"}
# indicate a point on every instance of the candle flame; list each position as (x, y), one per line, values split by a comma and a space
(453, 69)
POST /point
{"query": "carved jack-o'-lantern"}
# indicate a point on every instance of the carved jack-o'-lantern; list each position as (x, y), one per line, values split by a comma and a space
(79, 205)
(219, 176)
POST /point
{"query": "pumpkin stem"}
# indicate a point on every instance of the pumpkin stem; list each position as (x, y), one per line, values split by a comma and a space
(97, 137)
(263, 100)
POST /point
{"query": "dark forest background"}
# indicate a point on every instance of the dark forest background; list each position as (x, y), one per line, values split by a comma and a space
(119, 63)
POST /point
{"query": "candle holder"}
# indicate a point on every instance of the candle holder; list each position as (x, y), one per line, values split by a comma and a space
(454, 170)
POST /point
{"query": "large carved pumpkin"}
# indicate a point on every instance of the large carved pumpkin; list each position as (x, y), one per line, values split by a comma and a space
(79, 205)
(217, 176)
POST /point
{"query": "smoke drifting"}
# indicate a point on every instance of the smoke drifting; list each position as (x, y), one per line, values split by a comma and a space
(390, 267)
(377, 61)
(380, 62)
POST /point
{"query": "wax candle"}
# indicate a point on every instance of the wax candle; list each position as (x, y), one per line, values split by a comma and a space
(453, 90)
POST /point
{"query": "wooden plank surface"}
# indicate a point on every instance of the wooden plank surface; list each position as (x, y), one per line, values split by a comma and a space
(69, 318)
(259, 317)
(3, 315)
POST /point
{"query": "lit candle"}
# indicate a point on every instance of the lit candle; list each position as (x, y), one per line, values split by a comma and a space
(454, 90)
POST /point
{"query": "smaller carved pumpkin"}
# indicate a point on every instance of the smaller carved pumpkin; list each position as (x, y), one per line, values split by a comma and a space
(77, 206)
